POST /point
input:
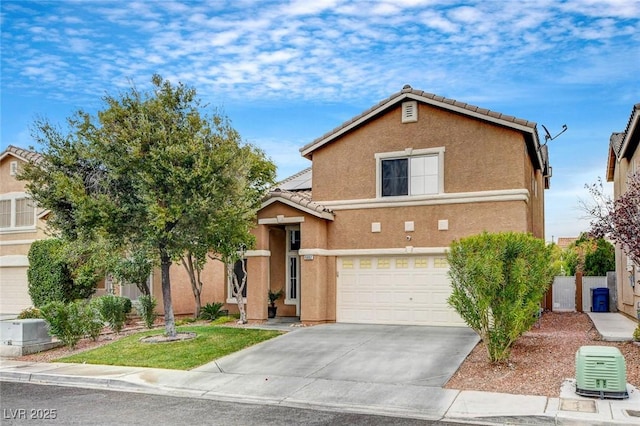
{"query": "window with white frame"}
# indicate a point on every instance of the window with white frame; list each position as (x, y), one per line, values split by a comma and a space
(293, 265)
(410, 172)
(17, 212)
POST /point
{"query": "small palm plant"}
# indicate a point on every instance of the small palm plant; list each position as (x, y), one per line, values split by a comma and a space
(273, 296)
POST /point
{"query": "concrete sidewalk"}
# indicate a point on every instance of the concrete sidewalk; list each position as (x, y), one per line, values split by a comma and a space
(421, 402)
(613, 326)
(361, 396)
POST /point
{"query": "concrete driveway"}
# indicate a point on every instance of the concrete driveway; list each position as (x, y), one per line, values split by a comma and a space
(410, 355)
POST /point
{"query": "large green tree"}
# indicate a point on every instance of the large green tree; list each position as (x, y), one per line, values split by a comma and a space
(151, 171)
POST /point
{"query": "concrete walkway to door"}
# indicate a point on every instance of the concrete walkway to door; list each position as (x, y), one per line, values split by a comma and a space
(407, 355)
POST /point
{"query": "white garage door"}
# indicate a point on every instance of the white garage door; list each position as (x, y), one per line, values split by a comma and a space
(395, 290)
(14, 293)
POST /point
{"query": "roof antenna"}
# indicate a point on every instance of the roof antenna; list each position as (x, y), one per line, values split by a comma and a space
(547, 135)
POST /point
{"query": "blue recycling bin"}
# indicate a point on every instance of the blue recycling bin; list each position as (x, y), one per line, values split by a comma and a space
(599, 300)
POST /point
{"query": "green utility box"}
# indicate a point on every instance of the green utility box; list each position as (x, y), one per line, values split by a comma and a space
(601, 371)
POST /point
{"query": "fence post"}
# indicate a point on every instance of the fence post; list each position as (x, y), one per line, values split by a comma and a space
(548, 299)
(578, 291)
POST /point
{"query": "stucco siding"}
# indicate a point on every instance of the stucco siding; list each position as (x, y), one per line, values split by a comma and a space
(353, 228)
(478, 156)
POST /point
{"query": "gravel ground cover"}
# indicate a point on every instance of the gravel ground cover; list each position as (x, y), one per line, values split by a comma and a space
(541, 359)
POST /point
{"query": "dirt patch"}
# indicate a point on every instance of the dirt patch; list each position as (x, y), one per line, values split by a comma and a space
(162, 338)
(541, 359)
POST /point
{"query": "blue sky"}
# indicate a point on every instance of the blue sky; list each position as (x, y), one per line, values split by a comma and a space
(286, 72)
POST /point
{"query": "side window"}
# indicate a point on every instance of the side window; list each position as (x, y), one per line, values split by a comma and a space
(17, 212)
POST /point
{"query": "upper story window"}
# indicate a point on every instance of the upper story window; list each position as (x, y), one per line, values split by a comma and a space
(410, 172)
(17, 212)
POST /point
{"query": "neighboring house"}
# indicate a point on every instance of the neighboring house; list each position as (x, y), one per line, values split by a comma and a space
(361, 236)
(565, 242)
(624, 160)
(20, 224)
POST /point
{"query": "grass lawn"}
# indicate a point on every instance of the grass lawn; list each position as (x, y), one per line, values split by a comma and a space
(212, 342)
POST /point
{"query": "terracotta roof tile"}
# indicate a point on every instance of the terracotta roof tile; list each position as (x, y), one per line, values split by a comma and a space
(615, 142)
(300, 199)
(24, 154)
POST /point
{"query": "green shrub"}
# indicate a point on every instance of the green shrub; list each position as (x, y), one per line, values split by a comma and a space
(48, 275)
(498, 281)
(128, 305)
(66, 321)
(210, 311)
(146, 307)
(112, 310)
(92, 324)
(51, 278)
(636, 334)
(30, 313)
(601, 260)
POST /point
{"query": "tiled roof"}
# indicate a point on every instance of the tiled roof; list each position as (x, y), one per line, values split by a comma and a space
(631, 133)
(564, 242)
(624, 144)
(298, 200)
(23, 154)
(615, 145)
(615, 142)
(430, 98)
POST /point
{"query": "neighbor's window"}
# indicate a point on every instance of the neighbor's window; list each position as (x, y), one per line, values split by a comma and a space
(17, 212)
(410, 175)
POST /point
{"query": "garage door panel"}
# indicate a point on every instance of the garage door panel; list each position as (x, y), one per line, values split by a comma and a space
(14, 290)
(395, 290)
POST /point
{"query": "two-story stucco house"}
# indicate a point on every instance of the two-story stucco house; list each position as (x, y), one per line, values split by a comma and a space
(361, 236)
(623, 161)
(20, 224)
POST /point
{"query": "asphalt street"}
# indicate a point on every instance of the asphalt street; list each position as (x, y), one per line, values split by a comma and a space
(23, 403)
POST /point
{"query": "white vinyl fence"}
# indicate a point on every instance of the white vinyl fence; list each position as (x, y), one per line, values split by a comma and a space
(564, 294)
(587, 284)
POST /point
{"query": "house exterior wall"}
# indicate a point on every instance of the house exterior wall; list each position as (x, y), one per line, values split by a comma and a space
(479, 156)
(15, 244)
(489, 184)
(213, 289)
(627, 274)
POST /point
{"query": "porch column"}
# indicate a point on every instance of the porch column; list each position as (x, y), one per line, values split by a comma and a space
(314, 291)
(258, 276)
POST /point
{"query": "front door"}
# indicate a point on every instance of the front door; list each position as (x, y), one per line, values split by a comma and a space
(292, 296)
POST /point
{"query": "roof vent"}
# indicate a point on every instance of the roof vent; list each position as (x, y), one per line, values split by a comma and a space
(407, 87)
(409, 111)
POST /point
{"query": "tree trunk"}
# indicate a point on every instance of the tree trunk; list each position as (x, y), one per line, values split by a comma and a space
(196, 284)
(169, 320)
(237, 292)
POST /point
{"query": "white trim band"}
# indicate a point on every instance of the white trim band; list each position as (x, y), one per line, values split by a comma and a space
(280, 219)
(257, 253)
(431, 200)
(14, 260)
(16, 242)
(374, 252)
